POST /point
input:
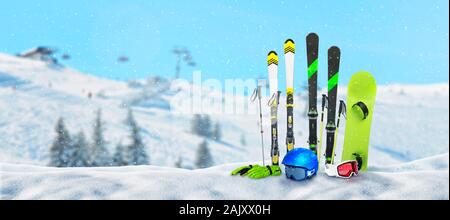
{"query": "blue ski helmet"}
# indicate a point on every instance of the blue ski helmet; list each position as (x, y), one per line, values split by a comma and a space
(300, 164)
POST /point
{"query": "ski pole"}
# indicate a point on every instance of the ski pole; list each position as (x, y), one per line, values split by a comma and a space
(324, 103)
(342, 110)
(257, 94)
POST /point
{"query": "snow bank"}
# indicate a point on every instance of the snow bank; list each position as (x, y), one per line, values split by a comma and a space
(422, 179)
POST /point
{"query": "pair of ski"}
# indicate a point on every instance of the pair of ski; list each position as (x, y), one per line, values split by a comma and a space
(272, 62)
(312, 50)
(361, 98)
(312, 41)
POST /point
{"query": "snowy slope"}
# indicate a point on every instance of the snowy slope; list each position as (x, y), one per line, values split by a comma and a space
(410, 121)
(33, 95)
(422, 179)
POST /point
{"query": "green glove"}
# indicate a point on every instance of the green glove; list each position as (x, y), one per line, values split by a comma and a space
(243, 170)
(262, 172)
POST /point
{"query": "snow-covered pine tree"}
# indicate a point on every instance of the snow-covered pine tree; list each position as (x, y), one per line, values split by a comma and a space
(206, 126)
(81, 153)
(119, 156)
(99, 153)
(61, 150)
(179, 163)
(195, 124)
(203, 157)
(217, 132)
(201, 125)
(136, 154)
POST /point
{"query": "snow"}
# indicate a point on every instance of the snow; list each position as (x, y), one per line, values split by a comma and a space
(408, 151)
(422, 179)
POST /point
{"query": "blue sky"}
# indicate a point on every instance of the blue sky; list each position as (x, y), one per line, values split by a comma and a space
(398, 41)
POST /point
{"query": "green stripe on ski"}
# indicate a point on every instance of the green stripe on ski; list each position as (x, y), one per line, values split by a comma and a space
(312, 69)
(333, 81)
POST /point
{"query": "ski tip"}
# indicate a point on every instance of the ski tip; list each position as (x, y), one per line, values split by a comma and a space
(334, 51)
(289, 41)
(272, 52)
(289, 46)
(272, 58)
(312, 36)
(334, 48)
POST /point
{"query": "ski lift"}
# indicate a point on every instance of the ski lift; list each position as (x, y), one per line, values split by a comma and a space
(123, 59)
(65, 56)
(182, 54)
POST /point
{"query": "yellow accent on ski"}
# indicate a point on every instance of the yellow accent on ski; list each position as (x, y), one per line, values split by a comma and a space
(290, 146)
(289, 46)
(290, 91)
(272, 58)
(290, 105)
(275, 159)
(290, 120)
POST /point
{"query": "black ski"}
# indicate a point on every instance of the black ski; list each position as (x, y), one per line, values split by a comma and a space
(312, 48)
(334, 55)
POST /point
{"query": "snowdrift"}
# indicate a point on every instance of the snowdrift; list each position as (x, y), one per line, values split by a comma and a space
(422, 179)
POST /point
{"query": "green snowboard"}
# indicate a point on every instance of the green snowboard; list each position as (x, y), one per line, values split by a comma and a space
(362, 90)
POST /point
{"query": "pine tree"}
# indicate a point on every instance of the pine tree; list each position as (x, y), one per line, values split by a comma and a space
(119, 156)
(81, 154)
(60, 151)
(204, 158)
(217, 132)
(201, 125)
(196, 124)
(206, 126)
(136, 154)
(179, 163)
(100, 155)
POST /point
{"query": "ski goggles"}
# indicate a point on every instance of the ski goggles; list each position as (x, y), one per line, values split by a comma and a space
(299, 173)
(344, 169)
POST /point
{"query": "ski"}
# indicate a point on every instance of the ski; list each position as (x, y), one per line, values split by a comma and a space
(312, 48)
(333, 75)
(272, 62)
(289, 53)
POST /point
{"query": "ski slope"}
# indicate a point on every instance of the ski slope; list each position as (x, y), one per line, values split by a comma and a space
(33, 95)
(422, 179)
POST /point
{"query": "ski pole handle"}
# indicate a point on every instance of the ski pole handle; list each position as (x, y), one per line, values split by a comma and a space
(259, 91)
(342, 107)
(324, 101)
